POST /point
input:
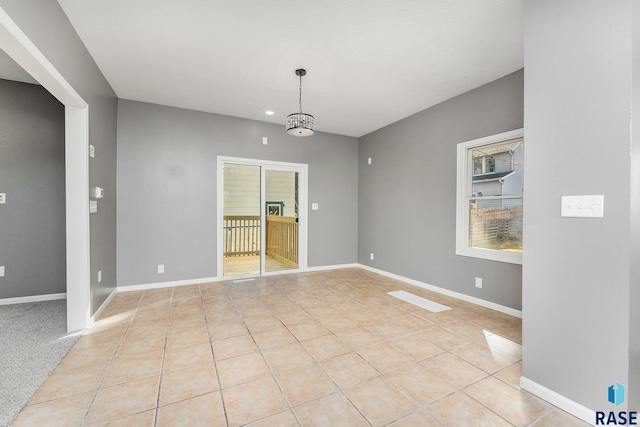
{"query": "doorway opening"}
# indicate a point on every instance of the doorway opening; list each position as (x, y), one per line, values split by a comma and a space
(262, 223)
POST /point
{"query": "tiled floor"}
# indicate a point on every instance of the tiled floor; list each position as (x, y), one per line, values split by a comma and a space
(312, 349)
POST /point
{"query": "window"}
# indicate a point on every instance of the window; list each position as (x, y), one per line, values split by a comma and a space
(484, 164)
(490, 197)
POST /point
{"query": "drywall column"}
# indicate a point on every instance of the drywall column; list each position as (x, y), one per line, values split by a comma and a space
(576, 272)
(634, 291)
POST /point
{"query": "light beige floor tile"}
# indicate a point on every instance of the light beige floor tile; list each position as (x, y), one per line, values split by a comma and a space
(295, 315)
(325, 347)
(204, 410)
(389, 330)
(135, 347)
(282, 419)
(178, 301)
(253, 401)
(417, 419)
(422, 385)
(513, 334)
(414, 323)
(504, 346)
(187, 310)
(187, 383)
(511, 375)
(416, 347)
(79, 357)
(339, 323)
(453, 369)
(67, 411)
(66, 383)
(385, 358)
(492, 324)
(142, 419)
(181, 323)
(234, 346)
(349, 369)
(357, 338)
(516, 406)
(330, 411)
(262, 323)
(133, 368)
(389, 311)
(186, 357)
(185, 337)
(225, 329)
(461, 410)
(287, 357)
(275, 337)
(470, 330)
(124, 399)
(307, 330)
(482, 357)
(241, 369)
(106, 336)
(143, 330)
(301, 385)
(443, 338)
(557, 418)
(380, 401)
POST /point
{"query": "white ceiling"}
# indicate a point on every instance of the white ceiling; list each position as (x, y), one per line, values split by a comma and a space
(369, 62)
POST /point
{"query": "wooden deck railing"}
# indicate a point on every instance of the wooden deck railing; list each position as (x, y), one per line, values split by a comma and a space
(241, 235)
(282, 239)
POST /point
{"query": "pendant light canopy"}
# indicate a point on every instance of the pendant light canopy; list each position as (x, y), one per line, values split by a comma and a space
(300, 124)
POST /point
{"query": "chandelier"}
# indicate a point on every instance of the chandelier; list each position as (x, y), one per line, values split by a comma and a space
(300, 124)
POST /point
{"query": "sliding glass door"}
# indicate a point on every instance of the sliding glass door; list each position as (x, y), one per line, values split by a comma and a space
(261, 229)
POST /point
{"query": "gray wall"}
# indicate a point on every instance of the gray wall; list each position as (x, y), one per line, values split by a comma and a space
(32, 235)
(46, 25)
(407, 196)
(634, 298)
(167, 161)
(576, 276)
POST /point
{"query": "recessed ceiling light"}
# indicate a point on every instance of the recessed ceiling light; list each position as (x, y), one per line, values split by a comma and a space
(269, 113)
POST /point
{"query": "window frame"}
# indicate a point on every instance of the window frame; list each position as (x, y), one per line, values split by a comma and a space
(464, 185)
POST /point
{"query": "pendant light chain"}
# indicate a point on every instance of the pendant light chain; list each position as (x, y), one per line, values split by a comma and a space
(300, 97)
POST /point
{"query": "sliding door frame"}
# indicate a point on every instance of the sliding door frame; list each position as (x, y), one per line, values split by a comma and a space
(302, 170)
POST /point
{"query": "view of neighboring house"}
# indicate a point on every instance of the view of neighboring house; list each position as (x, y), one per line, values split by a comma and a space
(498, 171)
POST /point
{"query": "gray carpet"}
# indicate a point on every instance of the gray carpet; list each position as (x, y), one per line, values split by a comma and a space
(33, 340)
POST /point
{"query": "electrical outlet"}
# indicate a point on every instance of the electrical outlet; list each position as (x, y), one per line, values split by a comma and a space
(3, 198)
(369, 161)
(160, 268)
(1, 270)
(478, 282)
(99, 276)
(371, 256)
(92, 151)
(265, 141)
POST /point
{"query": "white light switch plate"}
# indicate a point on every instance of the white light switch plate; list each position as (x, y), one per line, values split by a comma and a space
(93, 206)
(582, 206)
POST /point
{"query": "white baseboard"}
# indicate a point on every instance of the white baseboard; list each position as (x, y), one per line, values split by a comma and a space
(102, 307)
(556, 399)
(458, 295)
(332, 267)
(167, 284)
(35, 298)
